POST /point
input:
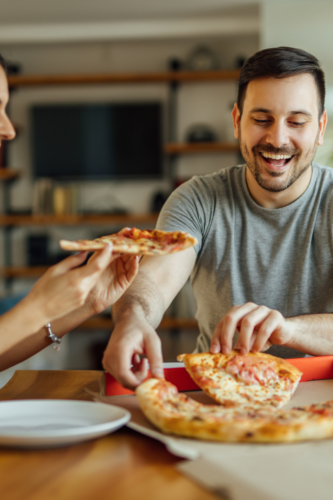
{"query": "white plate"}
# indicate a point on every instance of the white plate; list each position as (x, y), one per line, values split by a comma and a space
(52, 423)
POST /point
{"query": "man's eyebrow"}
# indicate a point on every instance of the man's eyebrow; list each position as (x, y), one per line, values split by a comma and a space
(294, 112)
(260, 110)
(301, 112)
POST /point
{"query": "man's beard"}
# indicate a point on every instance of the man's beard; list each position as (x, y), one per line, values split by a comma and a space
(301, 164)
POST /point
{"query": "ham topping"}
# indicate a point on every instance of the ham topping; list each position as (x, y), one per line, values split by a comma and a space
(251, 370)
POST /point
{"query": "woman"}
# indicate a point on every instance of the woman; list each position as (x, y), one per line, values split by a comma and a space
(67, 294)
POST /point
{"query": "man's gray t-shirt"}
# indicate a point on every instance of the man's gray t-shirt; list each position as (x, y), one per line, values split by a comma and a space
(281, 258)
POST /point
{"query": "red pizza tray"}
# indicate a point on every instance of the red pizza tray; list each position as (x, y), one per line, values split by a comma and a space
(314, 368)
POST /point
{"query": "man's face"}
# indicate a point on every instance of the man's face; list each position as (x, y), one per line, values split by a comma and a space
(7, 131)
(279, 129)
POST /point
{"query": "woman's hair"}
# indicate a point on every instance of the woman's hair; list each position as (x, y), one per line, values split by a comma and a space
(281, 62)
(2, 62)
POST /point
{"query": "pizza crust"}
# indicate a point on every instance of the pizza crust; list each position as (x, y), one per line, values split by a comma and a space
(176, 413)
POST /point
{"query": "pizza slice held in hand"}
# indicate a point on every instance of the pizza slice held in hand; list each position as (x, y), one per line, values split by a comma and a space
(256, 380)
(137, 242)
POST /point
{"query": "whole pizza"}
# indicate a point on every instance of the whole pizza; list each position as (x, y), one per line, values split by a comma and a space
(250, 391)
(175, 413)
(136, 241)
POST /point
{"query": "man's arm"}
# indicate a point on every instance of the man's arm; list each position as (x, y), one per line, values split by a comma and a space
(139, 312)
(260, 327)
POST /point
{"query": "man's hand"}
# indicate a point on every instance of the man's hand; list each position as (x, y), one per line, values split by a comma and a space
(113, 282)
(130, 340)
(259, 327)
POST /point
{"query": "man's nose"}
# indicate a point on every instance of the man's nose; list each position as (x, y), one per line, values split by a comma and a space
(278, 135)
(7, 131)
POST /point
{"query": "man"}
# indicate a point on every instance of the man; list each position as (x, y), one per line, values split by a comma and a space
(264, 261)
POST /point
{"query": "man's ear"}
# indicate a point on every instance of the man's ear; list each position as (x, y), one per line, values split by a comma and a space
(236, 116)
(322, 127)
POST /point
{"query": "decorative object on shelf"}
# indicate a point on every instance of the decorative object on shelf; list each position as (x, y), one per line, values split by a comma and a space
(42, 202)
(203, 59)
(201, 132)
(239, 62)
(13, 68)
(175, 64)
(64, 200)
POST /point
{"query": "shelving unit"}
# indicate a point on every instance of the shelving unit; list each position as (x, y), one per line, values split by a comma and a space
(77, 220)
(115, 78)
(8, 174)
(23, 272)
(172, 149)
(202, 147)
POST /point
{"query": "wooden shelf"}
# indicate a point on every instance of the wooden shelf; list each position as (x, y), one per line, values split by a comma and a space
(105, 323)
(23, 272)
(78, 220)
(8, 174)
(114, 78)
(203, 147)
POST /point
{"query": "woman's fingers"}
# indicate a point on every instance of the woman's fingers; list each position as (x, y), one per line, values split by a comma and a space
(98, 262)
(69, 263)
(132, 267)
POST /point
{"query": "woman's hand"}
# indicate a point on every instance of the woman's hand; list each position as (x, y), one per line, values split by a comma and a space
(66, 287)
(113, 282)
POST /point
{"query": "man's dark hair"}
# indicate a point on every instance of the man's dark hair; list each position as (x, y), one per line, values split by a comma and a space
(280, 62)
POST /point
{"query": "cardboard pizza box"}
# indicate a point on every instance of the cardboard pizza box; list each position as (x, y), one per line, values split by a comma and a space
(313, 368)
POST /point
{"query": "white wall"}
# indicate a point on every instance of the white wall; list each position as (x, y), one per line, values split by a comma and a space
(303, 24)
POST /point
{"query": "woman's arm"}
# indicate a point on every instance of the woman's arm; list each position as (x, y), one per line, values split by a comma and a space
(66, 295)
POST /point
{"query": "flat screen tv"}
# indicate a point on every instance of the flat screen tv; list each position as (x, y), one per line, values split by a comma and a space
(97, 141)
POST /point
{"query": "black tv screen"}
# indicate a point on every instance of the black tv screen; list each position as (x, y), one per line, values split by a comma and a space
(97, 141)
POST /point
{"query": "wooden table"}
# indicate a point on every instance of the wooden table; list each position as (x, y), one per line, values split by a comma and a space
(124, 465)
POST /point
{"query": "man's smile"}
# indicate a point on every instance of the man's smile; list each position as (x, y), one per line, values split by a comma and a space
(276, 162)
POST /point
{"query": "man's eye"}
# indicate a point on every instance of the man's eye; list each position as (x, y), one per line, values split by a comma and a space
(298, 124)
(261, 121)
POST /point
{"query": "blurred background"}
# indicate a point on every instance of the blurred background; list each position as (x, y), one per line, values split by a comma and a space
(115, 104)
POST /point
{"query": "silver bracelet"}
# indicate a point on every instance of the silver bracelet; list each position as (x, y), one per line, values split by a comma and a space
(56, 341)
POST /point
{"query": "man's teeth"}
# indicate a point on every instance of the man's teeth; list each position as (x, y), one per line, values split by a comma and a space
(276, 157)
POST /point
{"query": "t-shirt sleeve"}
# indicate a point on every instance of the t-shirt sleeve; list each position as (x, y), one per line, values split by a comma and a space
(186, 210)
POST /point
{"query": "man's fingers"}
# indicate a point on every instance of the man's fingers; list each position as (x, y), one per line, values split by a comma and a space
(248, 325)
(122, 370)
(140, 370)
(154, 355)
(215, 345)
(271, 323)
(229, 324)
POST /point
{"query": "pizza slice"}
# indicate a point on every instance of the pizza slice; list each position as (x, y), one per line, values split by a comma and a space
(254, 381)
(136, 241)
(175, 413)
